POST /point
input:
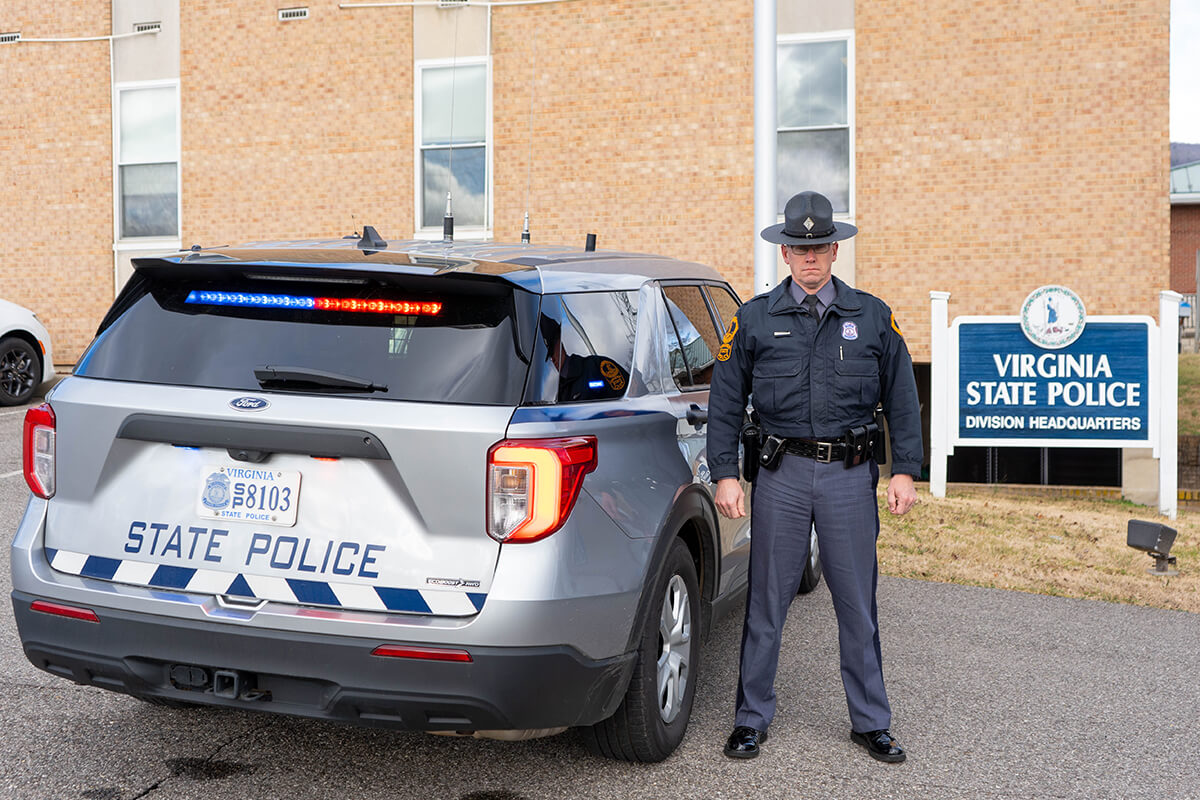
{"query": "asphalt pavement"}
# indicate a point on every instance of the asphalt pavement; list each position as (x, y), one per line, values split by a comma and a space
(997, 696)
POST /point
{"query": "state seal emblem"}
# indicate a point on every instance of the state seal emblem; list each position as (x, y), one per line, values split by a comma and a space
(216, 491)
(1052, 317)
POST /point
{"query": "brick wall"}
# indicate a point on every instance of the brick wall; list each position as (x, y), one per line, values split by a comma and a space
(1185, 242)
(56, 223)
(295, 129)
(643, 130)
(1004, 146)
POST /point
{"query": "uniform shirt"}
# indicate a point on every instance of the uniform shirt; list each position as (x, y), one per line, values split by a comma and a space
(813, 380)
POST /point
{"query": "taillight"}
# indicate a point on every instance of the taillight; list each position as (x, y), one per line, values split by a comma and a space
(533, 485)
(38, 447)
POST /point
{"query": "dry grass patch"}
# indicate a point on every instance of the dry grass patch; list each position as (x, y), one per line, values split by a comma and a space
(1069, 547)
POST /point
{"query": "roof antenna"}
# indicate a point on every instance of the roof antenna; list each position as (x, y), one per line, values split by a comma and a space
(448, 221)
(448, 217)
(529, 161)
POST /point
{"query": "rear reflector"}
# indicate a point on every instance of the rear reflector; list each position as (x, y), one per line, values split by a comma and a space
(85, 614)
(423, 653)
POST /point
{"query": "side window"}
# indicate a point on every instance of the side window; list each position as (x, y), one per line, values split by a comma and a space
(584, 347)
(692, 338)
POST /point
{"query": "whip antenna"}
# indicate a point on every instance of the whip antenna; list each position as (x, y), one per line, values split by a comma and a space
(529, 162)
(448, 217)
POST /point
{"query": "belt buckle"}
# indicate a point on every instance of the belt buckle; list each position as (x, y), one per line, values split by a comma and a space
(824, 452)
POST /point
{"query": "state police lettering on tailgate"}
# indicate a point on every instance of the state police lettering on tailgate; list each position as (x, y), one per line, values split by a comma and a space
(338, 558)
(175, 542)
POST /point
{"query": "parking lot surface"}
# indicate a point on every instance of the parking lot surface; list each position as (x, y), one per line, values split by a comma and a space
(996, 695)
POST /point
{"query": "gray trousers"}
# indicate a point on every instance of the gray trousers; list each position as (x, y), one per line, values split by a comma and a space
(842, 503)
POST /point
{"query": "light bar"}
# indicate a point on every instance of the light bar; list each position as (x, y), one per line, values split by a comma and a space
(262, 300)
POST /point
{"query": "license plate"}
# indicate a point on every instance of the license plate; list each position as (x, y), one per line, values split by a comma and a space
(249, 494)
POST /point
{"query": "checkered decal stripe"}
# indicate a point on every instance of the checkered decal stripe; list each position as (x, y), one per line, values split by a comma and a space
(285, 590)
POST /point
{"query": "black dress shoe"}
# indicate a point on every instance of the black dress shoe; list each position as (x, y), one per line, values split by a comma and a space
(744, 742)
(880, 745)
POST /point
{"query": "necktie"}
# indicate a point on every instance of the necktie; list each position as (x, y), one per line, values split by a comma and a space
(809, 303)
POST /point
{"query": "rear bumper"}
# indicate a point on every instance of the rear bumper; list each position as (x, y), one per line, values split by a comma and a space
(321, 676)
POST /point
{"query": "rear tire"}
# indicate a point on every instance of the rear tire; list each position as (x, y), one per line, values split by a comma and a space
(652, 719)
(20, 371)
(812, 570)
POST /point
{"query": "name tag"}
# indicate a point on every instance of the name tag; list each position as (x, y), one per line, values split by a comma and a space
(783, 333)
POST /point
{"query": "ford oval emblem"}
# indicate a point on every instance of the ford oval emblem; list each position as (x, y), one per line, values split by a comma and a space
(249, 403)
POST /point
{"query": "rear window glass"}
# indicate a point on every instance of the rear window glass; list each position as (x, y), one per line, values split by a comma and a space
(452, 340)
(584, 347)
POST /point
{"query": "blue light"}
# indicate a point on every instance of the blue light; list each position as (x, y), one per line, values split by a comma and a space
(250, 299)
(595, 384)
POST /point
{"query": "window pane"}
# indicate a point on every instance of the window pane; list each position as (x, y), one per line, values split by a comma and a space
(726, 303)
(585, 347)
(470, 183)
(814, 160)
(812, 84)
(699, 335)
(468, 86)
(147, 125)
(149, 204)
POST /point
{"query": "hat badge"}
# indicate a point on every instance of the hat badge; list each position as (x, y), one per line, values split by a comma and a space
(808, 223)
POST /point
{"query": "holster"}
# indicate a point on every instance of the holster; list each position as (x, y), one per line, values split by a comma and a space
(751, 436)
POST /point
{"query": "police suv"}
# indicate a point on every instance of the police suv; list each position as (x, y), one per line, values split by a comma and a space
(440, 487)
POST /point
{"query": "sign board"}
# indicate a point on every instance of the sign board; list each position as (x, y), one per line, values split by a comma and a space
(1054, 377)
(1097, 391)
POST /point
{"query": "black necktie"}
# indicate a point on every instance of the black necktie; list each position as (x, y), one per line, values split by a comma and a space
(810, 305)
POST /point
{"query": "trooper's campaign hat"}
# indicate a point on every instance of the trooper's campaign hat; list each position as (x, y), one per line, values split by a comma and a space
(808, 219)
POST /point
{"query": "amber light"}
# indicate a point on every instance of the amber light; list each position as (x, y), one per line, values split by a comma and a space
(533, 485)
(421, 653)
(71, 612)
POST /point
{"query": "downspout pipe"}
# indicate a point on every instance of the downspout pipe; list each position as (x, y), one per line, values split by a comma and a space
(766, 256)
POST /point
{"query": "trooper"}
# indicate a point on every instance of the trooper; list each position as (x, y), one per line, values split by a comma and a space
(816, 358)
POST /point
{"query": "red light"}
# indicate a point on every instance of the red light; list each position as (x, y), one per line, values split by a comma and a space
(405, 307)
(87, 615)
(422, 653)
(555, 469)
(38, 450)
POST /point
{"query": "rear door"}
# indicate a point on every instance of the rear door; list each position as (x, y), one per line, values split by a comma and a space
(318, 438)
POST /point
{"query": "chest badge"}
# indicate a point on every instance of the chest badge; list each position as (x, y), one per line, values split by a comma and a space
(849, 331)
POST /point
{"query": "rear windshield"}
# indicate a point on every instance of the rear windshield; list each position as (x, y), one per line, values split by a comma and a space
(451, 339)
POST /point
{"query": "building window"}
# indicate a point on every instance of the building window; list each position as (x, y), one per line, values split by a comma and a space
(815, 79)
(148, 160)
(453, 119)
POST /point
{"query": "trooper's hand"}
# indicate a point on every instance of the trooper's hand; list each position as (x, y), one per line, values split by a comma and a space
(730, 499)
(901, 494)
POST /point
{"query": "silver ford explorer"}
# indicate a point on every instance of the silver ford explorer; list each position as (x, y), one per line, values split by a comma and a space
(439, 487)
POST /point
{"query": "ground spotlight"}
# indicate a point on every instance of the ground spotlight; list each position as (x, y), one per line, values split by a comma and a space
(1155, 539)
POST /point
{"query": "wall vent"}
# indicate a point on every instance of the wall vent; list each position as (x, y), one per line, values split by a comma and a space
(147, 27)
(9, 38)
(452, 3)
(289, 14)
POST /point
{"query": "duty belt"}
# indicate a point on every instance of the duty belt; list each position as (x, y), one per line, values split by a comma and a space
(825, 452)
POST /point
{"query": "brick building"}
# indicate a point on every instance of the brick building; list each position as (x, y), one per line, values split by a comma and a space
(983, 149)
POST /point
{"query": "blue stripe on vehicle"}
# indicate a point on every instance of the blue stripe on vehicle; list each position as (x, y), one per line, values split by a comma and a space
(240, 588)
(100, 567)
(403, 600)
(477, 600)
(168, 577)
(50, 554)
(316, 592)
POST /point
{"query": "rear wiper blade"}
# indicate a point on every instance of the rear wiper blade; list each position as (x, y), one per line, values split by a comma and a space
(313, 379)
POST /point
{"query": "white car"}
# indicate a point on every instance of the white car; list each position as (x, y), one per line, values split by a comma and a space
(25, 356)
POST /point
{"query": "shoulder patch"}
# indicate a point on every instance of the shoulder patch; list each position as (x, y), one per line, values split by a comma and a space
(726, 348)
(896, 327)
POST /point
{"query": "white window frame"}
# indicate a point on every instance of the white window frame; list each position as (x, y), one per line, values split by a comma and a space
(831, 36)
(121, 242)
(460, 231)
